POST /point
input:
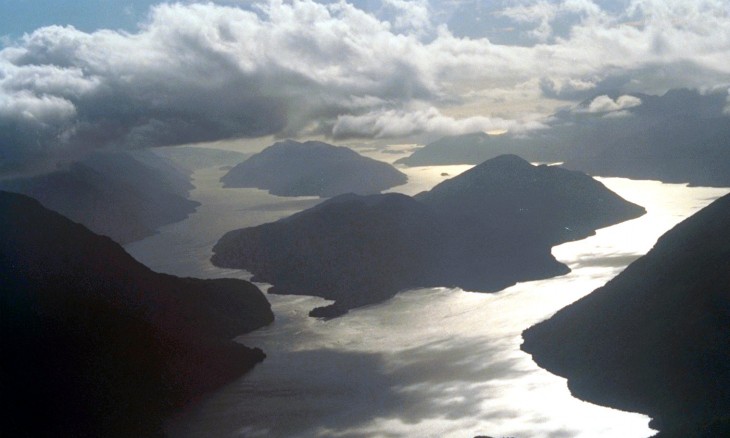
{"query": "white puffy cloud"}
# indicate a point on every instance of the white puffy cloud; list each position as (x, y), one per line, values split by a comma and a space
(412, 16)
(605, 104)
(198, 72)
(407, 122)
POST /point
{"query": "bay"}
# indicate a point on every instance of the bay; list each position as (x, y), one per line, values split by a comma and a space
(432, 362)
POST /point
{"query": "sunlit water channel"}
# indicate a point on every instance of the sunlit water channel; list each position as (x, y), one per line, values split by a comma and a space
(429, 363)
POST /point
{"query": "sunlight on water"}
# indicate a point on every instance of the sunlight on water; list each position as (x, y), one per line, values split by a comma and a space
(424, 178)
(184, 248)
(432, 362)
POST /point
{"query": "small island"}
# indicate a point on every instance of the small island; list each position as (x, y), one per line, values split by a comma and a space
(95, 343)
(656, 338)
(312, 168)
(483, 230)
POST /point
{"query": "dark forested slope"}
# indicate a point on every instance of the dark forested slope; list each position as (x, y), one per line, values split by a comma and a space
(655, 339)
(96, 344)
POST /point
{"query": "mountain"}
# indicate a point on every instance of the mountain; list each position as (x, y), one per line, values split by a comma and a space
(290, 168)
(483, 230)
(682, 136)
(471, 148)
(96, 344)
(194, 158)
(126, 196)
(544, 203)
(655, 339)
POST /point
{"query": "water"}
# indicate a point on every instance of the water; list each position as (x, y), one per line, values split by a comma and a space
(433, 362)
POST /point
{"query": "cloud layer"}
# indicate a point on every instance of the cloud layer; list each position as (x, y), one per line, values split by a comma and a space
(203, 72)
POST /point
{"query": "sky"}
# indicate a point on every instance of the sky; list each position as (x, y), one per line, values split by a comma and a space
(80, 75)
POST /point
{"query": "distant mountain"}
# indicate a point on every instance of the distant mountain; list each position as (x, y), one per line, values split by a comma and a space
(126, 196)
(682, 136)
(290, 168)
(483, 230)
(472, 148)
(655, 339)
(96, 344)
(194, 158)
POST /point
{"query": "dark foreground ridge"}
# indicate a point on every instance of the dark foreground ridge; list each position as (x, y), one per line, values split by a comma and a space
(482, 231)
(655, 339)
(96, 344)
(313, 168)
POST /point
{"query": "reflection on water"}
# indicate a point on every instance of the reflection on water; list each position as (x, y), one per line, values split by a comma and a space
(184, 248)
(432, 362)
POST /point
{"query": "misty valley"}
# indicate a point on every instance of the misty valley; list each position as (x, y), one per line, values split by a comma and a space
(392, 218)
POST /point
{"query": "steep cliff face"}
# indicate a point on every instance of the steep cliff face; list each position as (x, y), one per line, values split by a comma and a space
(482, 231)
(96, 344)
(290, 168)
(655, 339)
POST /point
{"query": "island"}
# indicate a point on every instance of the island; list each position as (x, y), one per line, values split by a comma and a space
(312, 168)
(483, 230)
(95, 343)
(656, 338)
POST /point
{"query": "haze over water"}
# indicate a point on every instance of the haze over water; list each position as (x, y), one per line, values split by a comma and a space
(431, 362)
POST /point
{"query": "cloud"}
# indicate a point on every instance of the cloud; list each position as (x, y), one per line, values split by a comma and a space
(604, 104)
(546, 16)
(404, 123)
(412, 16)
(202, 72)
(197, 73)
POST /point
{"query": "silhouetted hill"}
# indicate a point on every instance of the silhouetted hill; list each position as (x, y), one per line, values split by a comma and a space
(482, 231)
(354, 249)
(546, 204)
(121, 195)
(682, 136)
(655, 339)
(96, 344)
(290, 168)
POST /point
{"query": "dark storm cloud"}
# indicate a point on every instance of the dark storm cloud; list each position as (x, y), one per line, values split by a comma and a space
(195, 73)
